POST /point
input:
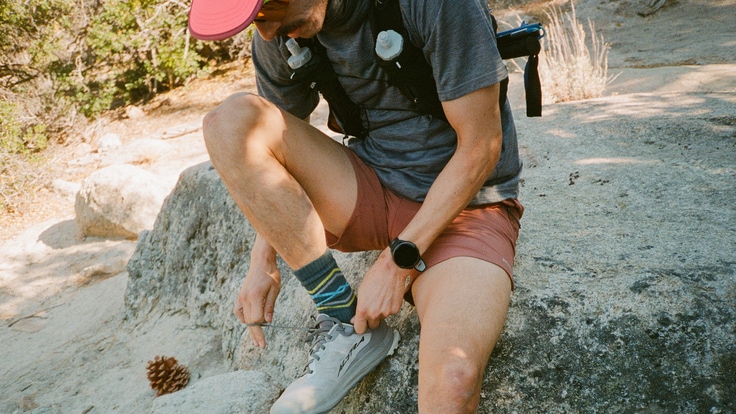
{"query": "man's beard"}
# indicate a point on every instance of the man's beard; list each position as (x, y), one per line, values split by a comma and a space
(285, 30)
(342, 16)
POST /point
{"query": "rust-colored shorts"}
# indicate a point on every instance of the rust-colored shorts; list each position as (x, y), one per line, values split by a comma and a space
(486, 232)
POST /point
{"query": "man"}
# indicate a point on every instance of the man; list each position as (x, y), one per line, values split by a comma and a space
(437, 197)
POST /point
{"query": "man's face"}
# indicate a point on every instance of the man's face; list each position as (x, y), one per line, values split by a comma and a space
(293, 18)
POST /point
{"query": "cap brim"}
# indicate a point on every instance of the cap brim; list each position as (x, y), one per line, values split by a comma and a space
(220, 19)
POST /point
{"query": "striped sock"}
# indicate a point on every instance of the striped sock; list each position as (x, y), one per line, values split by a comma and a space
(328, 287)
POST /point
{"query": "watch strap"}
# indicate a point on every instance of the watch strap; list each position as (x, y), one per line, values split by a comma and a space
(420, 266)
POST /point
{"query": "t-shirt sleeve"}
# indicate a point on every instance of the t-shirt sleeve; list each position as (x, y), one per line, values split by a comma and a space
(458, 40)
(273, 78)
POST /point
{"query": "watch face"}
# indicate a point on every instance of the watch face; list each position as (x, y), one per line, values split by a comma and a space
(406, 255)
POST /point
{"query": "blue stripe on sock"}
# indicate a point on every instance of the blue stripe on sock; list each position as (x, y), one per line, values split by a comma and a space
(330, 296)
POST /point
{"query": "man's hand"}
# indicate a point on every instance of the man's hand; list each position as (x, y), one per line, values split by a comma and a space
(257, 297)
(380, 294)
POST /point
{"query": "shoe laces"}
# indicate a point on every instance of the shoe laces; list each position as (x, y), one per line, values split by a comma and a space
(321, 335)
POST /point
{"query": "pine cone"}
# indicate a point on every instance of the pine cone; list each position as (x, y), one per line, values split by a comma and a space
(166, 375)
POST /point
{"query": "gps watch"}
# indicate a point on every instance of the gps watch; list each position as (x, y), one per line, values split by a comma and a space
(406, 255)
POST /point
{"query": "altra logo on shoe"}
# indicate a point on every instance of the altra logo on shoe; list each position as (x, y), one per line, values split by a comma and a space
(350, 353)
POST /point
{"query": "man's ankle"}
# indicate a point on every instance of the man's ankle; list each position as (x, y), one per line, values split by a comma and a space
(328, 287)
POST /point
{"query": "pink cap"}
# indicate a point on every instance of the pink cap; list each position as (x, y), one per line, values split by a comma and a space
(220, 19)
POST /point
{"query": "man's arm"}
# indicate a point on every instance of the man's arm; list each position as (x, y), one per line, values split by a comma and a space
(476, 118)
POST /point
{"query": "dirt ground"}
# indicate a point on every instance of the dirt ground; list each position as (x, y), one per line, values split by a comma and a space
(66, 345)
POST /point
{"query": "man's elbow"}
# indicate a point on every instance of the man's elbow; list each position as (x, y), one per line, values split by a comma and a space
(482, 160)
(488, 153)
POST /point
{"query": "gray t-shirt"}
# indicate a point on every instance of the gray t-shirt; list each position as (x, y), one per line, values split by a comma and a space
(406, 147)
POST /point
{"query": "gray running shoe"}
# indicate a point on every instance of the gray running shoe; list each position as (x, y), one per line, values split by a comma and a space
(339, 358)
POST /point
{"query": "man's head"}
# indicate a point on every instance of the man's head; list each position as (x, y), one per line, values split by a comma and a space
(220, 19)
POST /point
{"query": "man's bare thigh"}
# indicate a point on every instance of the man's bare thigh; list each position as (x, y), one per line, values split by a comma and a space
(316, 161)
(462, 304)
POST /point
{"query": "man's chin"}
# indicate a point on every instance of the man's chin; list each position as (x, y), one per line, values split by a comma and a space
(299, 29)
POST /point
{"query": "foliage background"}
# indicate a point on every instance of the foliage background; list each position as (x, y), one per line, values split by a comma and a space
(64, 63)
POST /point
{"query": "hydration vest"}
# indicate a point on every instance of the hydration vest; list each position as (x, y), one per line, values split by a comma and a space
(407, 69)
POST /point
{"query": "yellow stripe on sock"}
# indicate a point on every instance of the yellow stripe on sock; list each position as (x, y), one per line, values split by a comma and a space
(346, 305)
(325, 280)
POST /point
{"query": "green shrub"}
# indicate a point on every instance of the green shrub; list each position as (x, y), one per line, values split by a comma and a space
(29, 37)
(133, 50)
(17, 138)
(61, 58)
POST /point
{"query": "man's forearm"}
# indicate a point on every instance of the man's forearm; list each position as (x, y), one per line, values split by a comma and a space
(262, 250)
(452, 191)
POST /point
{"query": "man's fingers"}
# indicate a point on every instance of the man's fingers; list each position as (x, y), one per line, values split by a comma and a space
(270, 304)
(256, 334)
(238, 312)
(359, 324)
(373, 323)
(255, 310)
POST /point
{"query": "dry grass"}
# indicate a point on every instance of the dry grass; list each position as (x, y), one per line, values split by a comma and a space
(24, 195)
(19, 178)
(572, 68)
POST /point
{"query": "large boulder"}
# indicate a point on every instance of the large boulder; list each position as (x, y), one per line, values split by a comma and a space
(625, 295)
(194, 261)
(120, 200)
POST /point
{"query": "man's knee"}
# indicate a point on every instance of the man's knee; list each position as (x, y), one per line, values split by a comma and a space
(462, 377)
(457, 380)
(225, 127)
